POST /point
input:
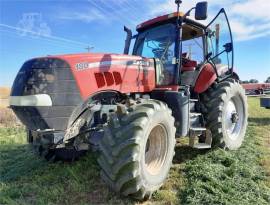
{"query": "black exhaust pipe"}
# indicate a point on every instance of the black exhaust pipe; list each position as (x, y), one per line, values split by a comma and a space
(128, 39)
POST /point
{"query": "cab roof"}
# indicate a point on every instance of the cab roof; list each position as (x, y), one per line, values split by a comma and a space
(166, 19)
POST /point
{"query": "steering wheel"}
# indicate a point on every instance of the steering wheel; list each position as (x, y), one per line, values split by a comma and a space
(185, 60)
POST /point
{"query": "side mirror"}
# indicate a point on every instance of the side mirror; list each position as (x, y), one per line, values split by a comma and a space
(201, 10)
(228, 47)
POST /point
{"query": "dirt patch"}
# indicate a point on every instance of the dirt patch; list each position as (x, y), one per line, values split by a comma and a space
(4, 103)
(4, 95)
(4, 92)
(8, 118)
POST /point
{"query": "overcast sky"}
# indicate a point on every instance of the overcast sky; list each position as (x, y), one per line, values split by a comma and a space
(31, 28)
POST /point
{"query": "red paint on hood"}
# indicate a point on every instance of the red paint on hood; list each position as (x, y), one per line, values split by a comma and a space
(95, 72)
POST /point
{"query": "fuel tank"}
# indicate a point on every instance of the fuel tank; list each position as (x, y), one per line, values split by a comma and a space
(46, 90)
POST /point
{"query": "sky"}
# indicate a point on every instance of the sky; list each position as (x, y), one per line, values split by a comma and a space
(33, 28)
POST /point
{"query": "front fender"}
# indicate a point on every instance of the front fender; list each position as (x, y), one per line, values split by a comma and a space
(83, 113)
(98, 96)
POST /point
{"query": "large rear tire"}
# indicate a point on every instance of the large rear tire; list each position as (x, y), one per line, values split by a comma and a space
(137, 149)
(225, 112)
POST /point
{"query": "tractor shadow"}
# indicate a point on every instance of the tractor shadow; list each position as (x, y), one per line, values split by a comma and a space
(258, 121)
(185, 153)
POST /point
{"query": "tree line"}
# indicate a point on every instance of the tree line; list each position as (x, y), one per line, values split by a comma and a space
(255, 80)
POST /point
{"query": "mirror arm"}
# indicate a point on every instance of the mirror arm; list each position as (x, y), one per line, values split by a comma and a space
(188, 13)
(218, 54)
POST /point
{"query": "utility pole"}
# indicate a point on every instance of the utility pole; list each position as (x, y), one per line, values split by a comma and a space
(88, 48)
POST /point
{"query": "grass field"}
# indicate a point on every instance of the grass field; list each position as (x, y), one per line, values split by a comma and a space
(197, 177)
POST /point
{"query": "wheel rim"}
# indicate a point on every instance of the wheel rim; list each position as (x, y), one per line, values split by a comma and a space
(234, 117)
(156, 149)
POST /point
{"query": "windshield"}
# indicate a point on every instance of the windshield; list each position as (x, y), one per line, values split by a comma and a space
(157, 42)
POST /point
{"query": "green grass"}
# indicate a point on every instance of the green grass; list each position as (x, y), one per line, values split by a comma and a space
(197, 177)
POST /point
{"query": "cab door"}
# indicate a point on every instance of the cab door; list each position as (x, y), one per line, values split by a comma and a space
(220, 45)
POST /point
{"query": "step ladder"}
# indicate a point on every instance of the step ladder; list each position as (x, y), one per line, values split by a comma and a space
(196, 129)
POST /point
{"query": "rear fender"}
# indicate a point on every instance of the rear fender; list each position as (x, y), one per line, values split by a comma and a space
(205, 79)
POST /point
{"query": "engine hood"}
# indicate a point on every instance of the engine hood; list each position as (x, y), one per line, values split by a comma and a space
(95, 72)
(47, 89)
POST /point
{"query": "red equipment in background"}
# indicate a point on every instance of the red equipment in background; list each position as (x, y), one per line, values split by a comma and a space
(256, 88)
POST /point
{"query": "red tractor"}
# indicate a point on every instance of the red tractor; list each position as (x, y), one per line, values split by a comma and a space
(178, 82)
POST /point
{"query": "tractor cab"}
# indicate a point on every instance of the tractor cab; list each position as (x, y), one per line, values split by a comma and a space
(182, 48)
(158, 42)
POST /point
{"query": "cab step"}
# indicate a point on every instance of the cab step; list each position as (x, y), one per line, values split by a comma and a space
(198, 128)
(192, 105)
(202, 146)
(195, 114)
(208, 138)
(196, 131)
(195, 119)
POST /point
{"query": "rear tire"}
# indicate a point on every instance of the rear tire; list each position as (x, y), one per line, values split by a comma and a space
(225, 112)
(137, 149)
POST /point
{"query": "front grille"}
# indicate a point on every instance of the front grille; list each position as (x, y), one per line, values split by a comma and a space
(50, 76)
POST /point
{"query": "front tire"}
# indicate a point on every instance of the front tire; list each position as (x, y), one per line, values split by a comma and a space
(137, 149)
(225, 112)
